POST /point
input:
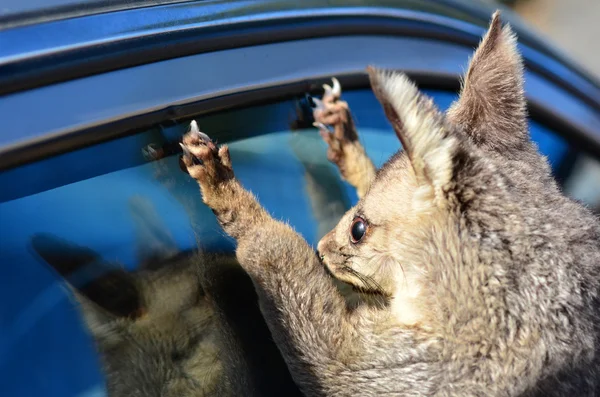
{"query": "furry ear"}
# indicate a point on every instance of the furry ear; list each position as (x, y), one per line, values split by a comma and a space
(105, 291)
(491, 107)
(428, 139)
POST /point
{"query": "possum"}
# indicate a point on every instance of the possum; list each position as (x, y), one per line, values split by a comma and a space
(488, 275)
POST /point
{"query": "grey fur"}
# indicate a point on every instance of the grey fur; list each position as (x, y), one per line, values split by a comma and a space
(490, 275)
(183, 324)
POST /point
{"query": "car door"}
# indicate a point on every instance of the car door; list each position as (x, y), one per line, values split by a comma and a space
(79, 153)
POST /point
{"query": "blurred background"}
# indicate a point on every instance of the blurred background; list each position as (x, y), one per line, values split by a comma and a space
(572, 25)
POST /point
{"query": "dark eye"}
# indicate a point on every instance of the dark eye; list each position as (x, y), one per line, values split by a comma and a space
(358, 229)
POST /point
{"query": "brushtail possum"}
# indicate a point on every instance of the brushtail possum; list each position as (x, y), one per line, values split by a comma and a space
(488, 275)
(184, 324)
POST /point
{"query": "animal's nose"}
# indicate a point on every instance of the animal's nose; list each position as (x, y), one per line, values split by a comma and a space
(322, 245)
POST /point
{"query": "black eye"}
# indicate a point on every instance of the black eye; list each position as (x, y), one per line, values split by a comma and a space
(358, 229)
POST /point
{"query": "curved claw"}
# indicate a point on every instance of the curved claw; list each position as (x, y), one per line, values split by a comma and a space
(328, 89)
(149, 152)
(322, 126)
(195, 129)
(318, 103)
(204, 136)
(337, 88)
(185, 150)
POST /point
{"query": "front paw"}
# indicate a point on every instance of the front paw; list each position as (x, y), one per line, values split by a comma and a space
(332, 117)
(206, 162)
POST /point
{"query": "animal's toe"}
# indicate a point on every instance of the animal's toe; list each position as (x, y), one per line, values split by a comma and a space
(194, 129)
(190, 158)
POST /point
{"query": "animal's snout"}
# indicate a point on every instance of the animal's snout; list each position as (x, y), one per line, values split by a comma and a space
(325, 243)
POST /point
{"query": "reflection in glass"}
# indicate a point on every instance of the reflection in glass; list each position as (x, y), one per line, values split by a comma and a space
(103, 212)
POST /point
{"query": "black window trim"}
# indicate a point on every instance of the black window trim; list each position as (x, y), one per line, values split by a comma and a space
(296, 92)
(118, 125)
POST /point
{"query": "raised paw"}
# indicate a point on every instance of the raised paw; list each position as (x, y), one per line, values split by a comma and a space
(334, 121)
(205, 161)
(336, 127)
(236, 208)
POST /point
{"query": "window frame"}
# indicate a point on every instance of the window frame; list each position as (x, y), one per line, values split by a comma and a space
(66, 47)
(172, 90)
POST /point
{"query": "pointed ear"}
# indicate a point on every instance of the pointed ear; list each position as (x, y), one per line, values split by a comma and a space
(432, 145)
(106, 292)
(492, 107)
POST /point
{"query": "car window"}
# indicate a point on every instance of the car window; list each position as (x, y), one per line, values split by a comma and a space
(89, 197)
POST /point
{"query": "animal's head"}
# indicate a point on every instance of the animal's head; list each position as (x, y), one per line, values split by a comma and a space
(448, 206)
(153, 327)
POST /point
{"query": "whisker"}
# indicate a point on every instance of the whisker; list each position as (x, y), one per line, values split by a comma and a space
(369, 280)
(369, 284)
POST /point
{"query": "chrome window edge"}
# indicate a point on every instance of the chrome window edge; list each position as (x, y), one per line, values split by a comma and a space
(105, 106)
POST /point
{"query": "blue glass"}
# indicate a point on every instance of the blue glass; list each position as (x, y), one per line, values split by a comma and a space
(83, 196)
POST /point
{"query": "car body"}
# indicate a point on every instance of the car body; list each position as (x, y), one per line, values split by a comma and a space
(86, 87)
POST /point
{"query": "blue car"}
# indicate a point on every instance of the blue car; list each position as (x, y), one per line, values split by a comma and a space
(90, 90)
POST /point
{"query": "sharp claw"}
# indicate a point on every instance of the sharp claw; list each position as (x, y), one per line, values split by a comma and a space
(204, 136)
(322, 126)
(337, 88)
(318, 103)
(186, 151)
(196, 130)
(327, 89)
(149, 152)
(194, 127)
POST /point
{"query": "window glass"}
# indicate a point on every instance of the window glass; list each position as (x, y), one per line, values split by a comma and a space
(583, 182)
(89, 197)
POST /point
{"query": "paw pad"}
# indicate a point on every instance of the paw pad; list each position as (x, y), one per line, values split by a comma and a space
(202, 159)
